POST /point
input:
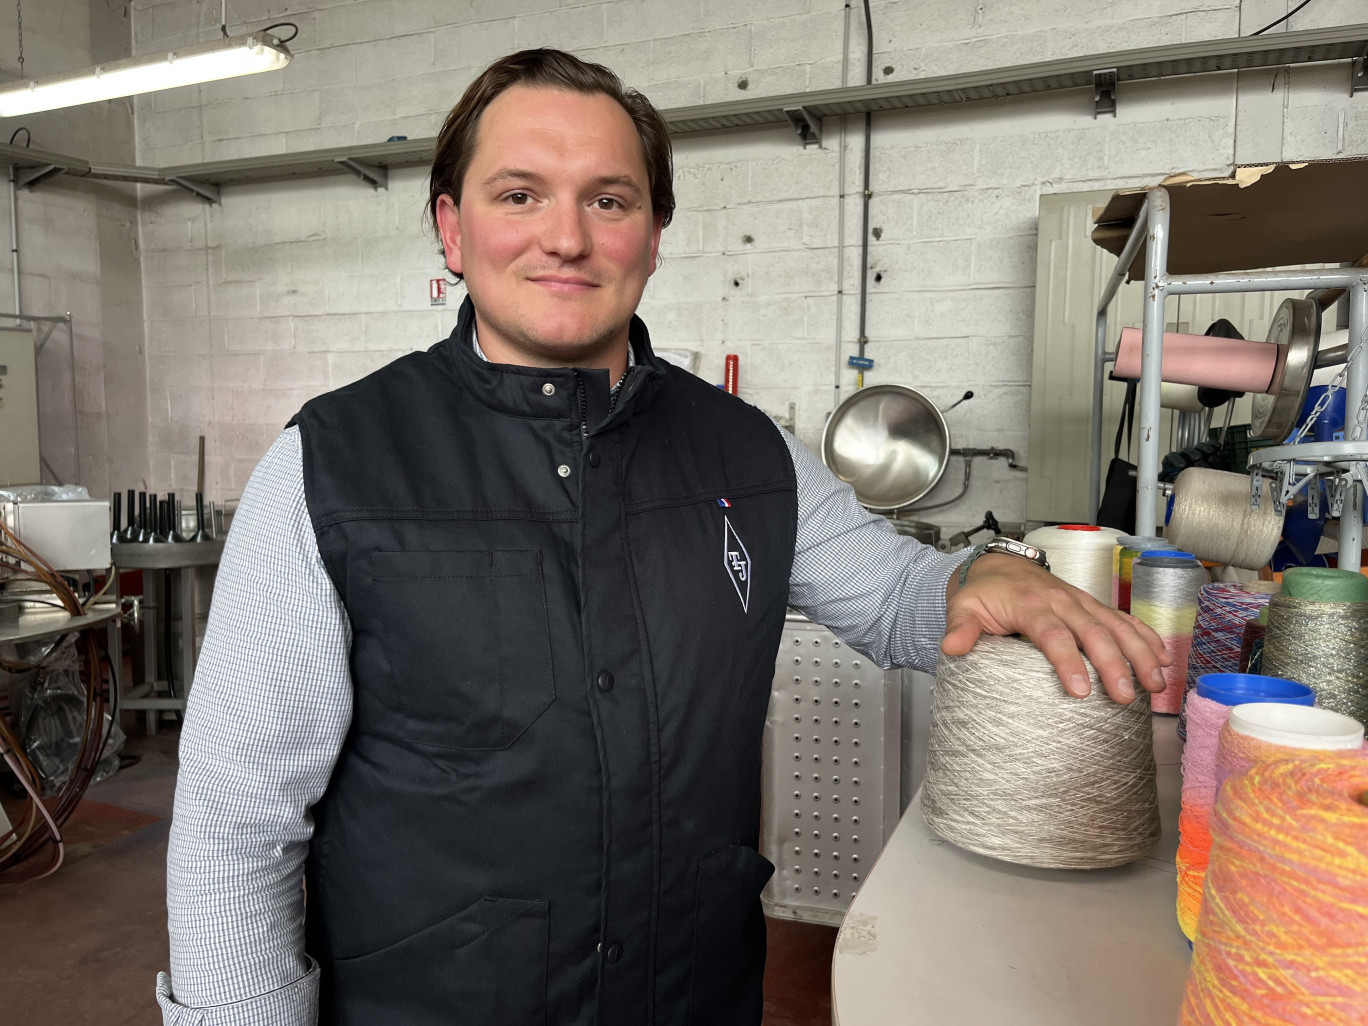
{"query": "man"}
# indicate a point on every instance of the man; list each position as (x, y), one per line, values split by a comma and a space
(494, 633)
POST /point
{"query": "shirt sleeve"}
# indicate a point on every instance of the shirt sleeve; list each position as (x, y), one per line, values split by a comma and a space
(265, 721)
(880, 592)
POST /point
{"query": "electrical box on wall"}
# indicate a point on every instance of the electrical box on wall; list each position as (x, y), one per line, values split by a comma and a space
(18, 409)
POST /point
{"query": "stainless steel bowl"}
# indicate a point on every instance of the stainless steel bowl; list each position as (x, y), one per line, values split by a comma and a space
(890, 442)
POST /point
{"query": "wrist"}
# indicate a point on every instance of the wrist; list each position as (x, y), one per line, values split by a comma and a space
(997, 550)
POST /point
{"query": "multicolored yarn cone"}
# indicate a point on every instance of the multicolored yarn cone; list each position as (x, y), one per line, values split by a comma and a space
(1164, 588)
(1208, 707)
(1222, 612)
(1283, 934)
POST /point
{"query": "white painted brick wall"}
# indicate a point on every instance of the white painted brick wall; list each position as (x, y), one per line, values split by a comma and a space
(78, 253)
(309, 285)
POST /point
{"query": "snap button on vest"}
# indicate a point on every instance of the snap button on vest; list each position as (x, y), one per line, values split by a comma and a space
(548, 389)
(605, 681)
(563, 470)
(593, 458)
(613, 954)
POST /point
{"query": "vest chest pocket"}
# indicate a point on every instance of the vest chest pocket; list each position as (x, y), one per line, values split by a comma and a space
(467, 641)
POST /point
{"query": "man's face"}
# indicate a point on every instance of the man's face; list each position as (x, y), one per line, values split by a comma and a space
(554, 233)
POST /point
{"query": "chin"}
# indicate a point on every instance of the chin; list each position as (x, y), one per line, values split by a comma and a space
(567, 334)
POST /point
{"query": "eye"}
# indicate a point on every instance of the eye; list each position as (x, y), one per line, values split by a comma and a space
(608, 203)
(518, 199)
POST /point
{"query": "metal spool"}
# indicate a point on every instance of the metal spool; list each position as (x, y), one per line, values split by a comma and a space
(890, 443)
(1296, 328)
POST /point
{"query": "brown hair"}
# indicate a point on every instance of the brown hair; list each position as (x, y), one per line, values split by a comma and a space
(550, 69)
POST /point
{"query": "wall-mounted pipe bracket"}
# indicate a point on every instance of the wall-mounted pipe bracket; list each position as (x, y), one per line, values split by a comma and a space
(1104, 93)
(204, 190)
(31, 177)
(373, 174)
(807, 125)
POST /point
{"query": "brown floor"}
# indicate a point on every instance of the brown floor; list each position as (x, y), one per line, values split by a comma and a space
(82, 947)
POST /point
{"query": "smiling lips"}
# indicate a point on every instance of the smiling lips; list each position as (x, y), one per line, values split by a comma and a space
(563, 283)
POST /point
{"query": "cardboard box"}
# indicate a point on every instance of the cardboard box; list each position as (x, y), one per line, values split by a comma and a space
(1266, 215)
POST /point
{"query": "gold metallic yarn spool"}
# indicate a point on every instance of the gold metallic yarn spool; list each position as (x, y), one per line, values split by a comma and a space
(1323, 645)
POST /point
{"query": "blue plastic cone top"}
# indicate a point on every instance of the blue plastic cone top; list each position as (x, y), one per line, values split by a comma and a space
(1239, 688)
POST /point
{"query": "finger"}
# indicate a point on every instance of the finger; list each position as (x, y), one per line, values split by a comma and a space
(1056, 642)
(1137, 641)
(1104, 653)
(1151, 637)
(1139, 652)
(961, 633)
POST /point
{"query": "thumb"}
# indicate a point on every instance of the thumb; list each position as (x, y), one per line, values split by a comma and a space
(961, 632)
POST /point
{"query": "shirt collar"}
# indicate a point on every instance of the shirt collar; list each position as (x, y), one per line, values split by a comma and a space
(475, 344)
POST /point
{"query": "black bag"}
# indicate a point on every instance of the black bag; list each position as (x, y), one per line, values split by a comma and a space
(1117, 509)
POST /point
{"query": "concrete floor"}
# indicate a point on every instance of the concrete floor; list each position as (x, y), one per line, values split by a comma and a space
(82, 947)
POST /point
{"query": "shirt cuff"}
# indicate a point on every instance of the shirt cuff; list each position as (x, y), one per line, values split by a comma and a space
(293, 1005)
(932, 578)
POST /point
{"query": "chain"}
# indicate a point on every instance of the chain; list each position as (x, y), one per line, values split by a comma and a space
(19, 11)
(1324, 401)
(1361, 415)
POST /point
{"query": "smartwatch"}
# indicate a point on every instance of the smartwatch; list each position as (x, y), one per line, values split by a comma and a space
(1011, 547)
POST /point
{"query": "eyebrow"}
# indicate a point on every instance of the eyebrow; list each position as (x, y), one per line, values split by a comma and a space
(517, 174)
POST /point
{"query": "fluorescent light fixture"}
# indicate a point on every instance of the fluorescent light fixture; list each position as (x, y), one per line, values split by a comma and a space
(189, 65)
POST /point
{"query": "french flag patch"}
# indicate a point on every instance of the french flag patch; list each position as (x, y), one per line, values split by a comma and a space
(724, 503)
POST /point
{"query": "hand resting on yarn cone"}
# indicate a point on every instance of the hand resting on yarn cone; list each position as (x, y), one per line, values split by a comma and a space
(1008, 595)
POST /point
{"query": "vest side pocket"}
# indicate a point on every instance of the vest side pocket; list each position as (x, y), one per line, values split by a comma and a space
(468, 643)
(729, 938)
(484, 966)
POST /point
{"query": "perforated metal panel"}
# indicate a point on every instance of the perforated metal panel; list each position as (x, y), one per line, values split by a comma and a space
(831, 772)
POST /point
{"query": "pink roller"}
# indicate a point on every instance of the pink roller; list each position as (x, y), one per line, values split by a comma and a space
(1237, 365)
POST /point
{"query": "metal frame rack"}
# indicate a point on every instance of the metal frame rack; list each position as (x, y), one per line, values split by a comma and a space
(1343, 465)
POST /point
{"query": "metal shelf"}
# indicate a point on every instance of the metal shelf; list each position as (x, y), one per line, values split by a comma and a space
(38, 626)
(1152, 231)
(1099, 72)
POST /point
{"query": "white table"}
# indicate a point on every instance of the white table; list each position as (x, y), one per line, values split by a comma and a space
(939, 935)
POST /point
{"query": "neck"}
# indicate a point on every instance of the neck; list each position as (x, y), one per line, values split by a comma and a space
(610, 355)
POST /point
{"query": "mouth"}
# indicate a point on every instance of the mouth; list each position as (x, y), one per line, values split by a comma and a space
(564, 283)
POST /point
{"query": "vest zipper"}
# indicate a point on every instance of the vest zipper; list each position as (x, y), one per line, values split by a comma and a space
(583, 406)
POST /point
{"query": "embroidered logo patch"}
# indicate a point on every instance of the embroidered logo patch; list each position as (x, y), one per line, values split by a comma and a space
(738, 564)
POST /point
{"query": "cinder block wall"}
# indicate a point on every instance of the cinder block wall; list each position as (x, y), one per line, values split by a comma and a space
(286, 290)
(78, 252)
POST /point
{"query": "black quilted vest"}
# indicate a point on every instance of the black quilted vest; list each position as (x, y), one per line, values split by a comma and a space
(564, 625)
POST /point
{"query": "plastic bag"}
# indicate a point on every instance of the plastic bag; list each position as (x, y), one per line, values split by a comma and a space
(53, 718)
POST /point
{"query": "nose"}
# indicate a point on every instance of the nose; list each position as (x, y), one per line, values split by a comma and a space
(565, 233)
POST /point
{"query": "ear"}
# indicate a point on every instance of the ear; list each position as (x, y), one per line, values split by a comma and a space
(656, 226)
(449, 228)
